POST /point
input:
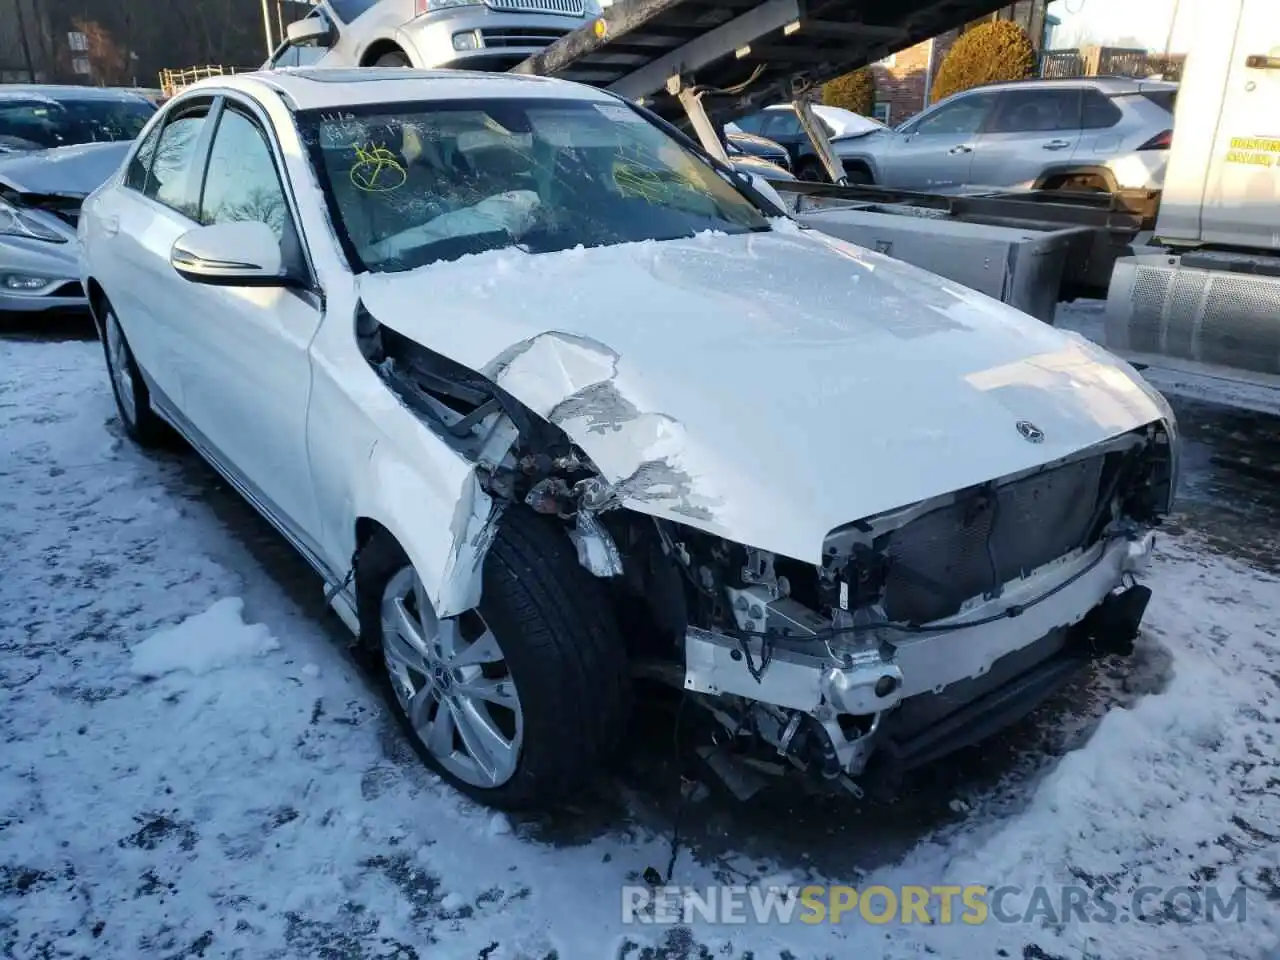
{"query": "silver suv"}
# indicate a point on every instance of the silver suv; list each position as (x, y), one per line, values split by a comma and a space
(1090, 133)
(468, 34)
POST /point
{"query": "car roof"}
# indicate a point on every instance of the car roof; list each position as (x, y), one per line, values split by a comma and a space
(318, 88)
(54, 91)
(1113, 86)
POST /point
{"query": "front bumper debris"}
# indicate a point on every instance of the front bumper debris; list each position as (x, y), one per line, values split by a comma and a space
(1019, 648)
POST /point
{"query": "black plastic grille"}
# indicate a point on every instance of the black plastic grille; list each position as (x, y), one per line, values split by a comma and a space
(520, 36)
(940, 560)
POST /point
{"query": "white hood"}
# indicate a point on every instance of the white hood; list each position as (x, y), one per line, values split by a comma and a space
(767, 387)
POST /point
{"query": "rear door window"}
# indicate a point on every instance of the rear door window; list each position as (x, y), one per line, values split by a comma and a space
(1036, 111)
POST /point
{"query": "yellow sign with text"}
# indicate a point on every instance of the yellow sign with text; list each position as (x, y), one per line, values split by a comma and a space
(1254, 151)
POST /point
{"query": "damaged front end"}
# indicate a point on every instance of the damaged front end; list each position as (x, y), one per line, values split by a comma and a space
(917, 631)
(930, 627)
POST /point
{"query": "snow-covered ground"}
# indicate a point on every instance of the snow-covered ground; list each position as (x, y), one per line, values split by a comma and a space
(192, 764)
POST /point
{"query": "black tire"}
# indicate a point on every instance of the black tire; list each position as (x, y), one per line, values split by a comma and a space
(811, 170)
(561, 645)
(1078, 183)
(393, 58)
(133, 399)
(858, 176)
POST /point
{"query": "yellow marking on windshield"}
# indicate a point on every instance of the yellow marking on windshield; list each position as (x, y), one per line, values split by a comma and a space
(377, 170)
(638, 173)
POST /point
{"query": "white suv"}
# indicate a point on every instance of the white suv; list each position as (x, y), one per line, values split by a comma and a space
(468, 34)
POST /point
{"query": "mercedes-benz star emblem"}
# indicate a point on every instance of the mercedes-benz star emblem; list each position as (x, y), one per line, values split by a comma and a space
(1030, 432)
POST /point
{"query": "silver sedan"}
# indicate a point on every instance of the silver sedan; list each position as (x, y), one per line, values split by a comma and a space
(57, 145)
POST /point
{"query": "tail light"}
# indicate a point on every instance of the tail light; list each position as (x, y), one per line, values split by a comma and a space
(1161, 141)
(420, 7)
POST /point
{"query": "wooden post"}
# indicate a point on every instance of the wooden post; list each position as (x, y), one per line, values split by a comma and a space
(26, 44)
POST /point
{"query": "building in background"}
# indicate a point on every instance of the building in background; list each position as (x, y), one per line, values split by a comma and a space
(904, 78)
(128, 42)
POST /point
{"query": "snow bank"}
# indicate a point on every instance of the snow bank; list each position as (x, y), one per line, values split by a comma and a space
(205, 642)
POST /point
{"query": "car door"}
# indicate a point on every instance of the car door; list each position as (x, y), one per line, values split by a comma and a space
(1030, 129)
(246, 348)
(935, 151)
(139, 220)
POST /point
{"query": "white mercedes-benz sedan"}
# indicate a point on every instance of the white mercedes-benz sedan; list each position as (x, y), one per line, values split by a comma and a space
(553, 401)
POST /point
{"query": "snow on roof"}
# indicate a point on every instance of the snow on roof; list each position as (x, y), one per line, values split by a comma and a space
(843, 122)
(309, 88)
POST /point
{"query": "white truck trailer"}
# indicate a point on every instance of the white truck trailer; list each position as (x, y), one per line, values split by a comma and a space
(1199, 300)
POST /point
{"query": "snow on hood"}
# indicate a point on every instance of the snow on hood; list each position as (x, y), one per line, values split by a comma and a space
(767, 387)
(846, 123)
(72, 171)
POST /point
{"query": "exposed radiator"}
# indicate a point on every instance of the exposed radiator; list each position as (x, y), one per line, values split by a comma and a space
(940, 560)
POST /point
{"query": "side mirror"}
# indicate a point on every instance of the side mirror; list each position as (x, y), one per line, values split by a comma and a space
(244, 254)
(312, 29)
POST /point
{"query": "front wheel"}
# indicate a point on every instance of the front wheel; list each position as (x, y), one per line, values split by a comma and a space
(393, 58)
(516, 703)
(811, 171)
(858, 176)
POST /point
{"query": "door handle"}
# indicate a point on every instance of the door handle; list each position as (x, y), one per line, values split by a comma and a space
(1260, 61)
(961, 148)
(110, 226)
(1057, 144)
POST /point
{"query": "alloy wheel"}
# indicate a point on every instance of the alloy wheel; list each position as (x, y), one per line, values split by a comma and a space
(451, 679)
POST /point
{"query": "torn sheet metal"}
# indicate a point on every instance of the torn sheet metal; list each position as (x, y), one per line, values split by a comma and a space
(596, 550)
(572, 382)
(475, 523)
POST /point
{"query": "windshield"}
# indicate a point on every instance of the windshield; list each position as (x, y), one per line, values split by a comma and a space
(423, 183)
(45, 122)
